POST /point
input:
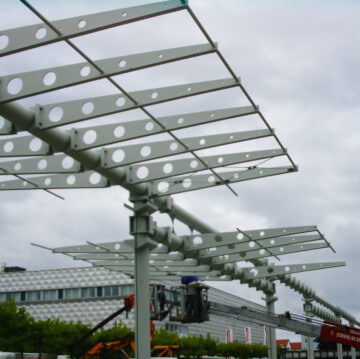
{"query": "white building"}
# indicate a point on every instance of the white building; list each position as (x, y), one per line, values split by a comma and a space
(90, 294)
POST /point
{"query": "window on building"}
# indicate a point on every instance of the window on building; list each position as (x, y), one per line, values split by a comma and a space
(87, 292)
(33, 295)
(16, 296)
(10, 295)
(127, 289)
(107, 291)
(115, 290)
(72, 293)
(49, 294)
(99, 291)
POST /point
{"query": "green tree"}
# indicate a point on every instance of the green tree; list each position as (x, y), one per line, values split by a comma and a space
(15, 334)
(118, 332)
(163, 337)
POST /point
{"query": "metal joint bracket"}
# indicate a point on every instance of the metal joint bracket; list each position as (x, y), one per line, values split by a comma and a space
(270, 300)
(141, 243)
(104, 156)
(74, 138)
(167, 205)
(168, 236)
(144, 226)
(147, 208)
(144, 196)
(308, 308)
(39, 115)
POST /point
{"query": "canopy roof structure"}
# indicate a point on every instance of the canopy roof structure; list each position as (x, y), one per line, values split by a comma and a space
(215, 248)
(153, 157)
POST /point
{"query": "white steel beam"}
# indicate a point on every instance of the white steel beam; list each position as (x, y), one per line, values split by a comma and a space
(32, 36)
(55, 78)
(216, 239)
(262, 253)
(252, 245)
(275, 270)
(61, 113)
(175, 185)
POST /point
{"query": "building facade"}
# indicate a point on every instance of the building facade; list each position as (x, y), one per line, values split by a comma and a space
(90, 294)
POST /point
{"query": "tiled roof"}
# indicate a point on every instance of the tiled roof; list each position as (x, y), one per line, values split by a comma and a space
(296, 346)
(283, 342)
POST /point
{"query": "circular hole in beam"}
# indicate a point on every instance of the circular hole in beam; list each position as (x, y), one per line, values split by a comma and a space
(49, 78)
(89, 137)
(14, 86)
(85, 71)
(119, 131)
(118, 156)
(40, 33)
(56, 114)
(4, 42)
(67, 162)
(142, 172)
(81, 24)
(94, 178)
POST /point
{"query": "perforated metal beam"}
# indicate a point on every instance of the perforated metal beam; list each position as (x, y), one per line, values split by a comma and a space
(32, 36)
(172, 256)
(41, 165)
(94, 180)
(55, 78)
(208, 240)
(263, 253)
(272, 270)
(61, 113)
(159, 170)
(106, 248)
(108, 134)
(183, 184)
(122, 155)
(23, 146)
(179, 271)
(251, 245)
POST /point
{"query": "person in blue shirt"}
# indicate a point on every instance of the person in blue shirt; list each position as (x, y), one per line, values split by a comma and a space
(190, 280)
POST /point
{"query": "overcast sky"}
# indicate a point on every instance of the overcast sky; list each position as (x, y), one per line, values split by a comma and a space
(299, 61)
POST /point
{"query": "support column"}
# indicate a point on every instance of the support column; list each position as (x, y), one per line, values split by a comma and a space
(339, 351)
(309, 313)
(339, 345)
(141, 227)
(270, 306)
(353, 353)
(339, 348)
(353, 350)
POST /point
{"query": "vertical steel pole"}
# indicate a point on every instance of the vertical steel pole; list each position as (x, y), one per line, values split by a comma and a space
(308, 312)
(353, 353)
(270, 306)
(353, 350)
(141, 227)
(339, 347)
(339, 351)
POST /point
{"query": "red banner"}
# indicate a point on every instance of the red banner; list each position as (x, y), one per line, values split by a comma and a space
(340, 336)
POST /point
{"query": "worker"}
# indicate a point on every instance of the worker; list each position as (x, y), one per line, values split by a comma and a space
(190, 299)
(190, 280)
